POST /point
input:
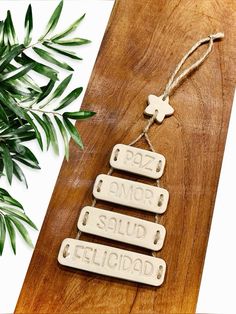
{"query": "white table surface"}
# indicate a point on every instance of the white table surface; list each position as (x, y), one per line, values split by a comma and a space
(219, 277)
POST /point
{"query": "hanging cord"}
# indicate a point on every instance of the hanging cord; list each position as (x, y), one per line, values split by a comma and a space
(93, 203)
(172, 83)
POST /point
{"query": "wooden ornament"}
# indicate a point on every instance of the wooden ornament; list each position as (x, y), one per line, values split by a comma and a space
(116, 262)
(131, 193)
(123, 228)
(110, 261)
(157, 104)
(138, 161)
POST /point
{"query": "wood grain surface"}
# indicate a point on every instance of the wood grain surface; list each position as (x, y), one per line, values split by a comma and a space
(143, 43)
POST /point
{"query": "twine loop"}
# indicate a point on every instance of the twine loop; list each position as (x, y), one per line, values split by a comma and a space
(173, 82)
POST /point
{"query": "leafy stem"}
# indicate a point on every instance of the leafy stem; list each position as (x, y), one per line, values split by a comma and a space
(54, 113)
(32, 45)
(24, 111)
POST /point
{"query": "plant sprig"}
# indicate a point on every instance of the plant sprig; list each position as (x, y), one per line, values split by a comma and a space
(24, 107)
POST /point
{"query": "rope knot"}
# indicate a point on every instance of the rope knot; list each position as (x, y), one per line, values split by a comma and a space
(145, 130)
(217, 36)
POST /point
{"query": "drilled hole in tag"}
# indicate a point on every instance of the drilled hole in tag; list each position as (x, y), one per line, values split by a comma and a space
(159, 165)
(157, 237)
(161, 199)
(116, 154)
(160, 271)
(66, 252)
(99, 186)
(86, 215)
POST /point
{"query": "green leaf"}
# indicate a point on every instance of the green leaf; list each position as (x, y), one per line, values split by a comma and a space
(1, 38)
(79, 115)
(61, 87)
(8, 199)
(26, 80)
(3, 49)
(3, 115)
(50, 58)
(46, 90)
(52, 132)
(21, 228)
(25, 152)
(72, 41)
(70, 54)
(10, 30)
(52, 23)
(22, 136)
(73, 132)
(70, 98)
(11, 232)
(10, 103)
(37, 133)
(18, 214)
(44, 127)
(10, 56)
(16, 127)
(64, 136)
(59, 90)
(39, 67)
(13, 75)
(6, 41)
(16, 90)
(70, 29)
(2, 234)
(7, 160)
(28, 163)
(1, 168)
(19, 174)
(27, 137)
(28, 26)
(3, 192)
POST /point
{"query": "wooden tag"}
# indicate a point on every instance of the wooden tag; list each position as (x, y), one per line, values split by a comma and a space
(110, 261)
(121, 228)
(157, 104)
(136, 160)
(131, 193)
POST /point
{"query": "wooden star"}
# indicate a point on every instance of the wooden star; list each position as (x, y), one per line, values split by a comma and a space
(162, 106)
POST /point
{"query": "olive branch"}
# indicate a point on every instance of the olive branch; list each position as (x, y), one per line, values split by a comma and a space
(24, 107)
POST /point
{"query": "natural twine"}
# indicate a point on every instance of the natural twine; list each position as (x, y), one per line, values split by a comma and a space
(174, 82)
(170, 86)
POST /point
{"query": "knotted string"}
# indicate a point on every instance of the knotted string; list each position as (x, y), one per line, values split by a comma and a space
(170, 86)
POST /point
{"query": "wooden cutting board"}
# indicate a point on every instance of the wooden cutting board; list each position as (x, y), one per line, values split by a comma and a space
(143, 43)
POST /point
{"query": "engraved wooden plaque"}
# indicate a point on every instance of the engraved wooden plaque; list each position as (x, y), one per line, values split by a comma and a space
(112, 262)
(138, 161)
(123, 228)
(131, 193)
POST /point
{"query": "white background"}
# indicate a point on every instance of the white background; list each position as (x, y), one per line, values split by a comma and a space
(218, 286)
(219, 277)
(41, 182)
